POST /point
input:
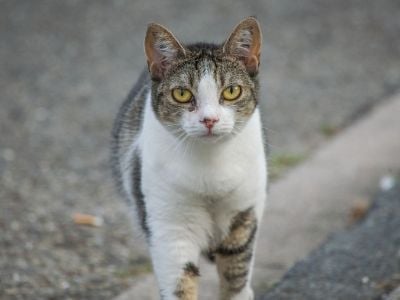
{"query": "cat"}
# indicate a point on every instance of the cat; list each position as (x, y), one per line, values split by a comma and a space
(188, 154)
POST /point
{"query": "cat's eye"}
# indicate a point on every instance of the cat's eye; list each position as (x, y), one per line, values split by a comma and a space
(182, 95)
(232, 92)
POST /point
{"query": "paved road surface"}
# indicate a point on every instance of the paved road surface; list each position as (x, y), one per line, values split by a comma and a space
(65, 67)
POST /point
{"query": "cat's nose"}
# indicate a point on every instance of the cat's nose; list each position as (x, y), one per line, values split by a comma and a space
(209, 122)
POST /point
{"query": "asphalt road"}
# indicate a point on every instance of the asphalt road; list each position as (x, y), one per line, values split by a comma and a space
(67, 65)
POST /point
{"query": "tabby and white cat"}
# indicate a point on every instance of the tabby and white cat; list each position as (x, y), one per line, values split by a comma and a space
(188, 155)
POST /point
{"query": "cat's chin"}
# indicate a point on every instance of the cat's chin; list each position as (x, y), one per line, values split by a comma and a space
(212, 138)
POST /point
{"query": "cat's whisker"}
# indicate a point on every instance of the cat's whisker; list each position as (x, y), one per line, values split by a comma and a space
(185, 151)
(269, 129)
(175, 147)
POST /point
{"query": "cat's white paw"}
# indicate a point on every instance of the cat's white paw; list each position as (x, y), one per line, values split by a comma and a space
(245, 294)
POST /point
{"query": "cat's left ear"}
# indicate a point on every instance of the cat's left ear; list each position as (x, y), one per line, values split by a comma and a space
(162, 49)
(245, 43)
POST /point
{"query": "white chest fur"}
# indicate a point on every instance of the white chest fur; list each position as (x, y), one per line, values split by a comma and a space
(193, 170)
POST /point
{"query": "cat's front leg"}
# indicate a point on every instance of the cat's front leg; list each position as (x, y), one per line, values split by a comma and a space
(234, 257)
(175, 263)
(175, 245)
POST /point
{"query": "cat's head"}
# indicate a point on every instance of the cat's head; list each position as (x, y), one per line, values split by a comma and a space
(204, 91)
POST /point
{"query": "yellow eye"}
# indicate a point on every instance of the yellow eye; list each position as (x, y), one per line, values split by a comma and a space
(232, 92)
(181, 95)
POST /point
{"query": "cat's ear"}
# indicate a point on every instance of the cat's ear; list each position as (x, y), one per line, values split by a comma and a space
(245, 43)
(161, 48)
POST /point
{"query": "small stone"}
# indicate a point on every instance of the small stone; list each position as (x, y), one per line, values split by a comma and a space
(65, 285)
(365, 280)
(387, 182)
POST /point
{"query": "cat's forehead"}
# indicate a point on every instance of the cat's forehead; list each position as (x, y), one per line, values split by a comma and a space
(190, 72)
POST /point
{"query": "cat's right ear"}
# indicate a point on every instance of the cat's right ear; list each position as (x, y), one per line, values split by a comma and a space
(162, 49)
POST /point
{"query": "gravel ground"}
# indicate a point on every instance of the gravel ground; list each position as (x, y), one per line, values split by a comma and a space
(65, 68)
(362, 263)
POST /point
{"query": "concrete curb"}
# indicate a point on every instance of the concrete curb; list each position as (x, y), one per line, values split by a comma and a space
(395, 295)
(359, 263)
(314, 199)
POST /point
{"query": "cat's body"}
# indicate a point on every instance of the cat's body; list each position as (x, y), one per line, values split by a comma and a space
(189, 157)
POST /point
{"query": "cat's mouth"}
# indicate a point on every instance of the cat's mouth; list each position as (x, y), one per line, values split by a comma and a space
(212, 136)
(209, 134)
(212, 133)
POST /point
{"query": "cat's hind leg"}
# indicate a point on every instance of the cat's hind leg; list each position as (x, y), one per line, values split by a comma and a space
(234, 257)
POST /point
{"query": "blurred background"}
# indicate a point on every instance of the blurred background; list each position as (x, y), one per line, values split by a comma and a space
(66, 66)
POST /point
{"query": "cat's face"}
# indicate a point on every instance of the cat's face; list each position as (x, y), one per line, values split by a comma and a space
(204, 91)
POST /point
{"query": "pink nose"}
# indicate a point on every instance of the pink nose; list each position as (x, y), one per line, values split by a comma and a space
(209, 122)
